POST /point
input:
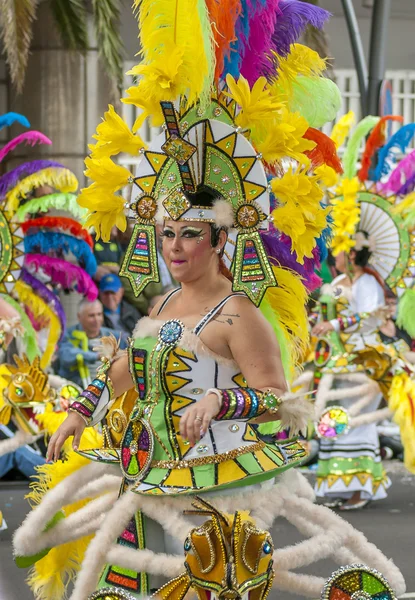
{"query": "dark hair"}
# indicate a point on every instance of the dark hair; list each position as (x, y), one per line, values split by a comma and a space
(205, 197)
(362, 257)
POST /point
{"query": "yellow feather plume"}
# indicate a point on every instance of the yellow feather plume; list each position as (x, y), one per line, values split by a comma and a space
(402, 403)
(342, 128)
(346, 215)
(178, 55)
(288, 301)
(114, 136)
(106, 208)
(59, 178)
(43, 313)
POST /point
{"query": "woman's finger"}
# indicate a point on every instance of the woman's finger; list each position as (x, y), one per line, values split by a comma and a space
(77, 438)
(205, 424)
(182, 425)
(190, 428)
(197, 426)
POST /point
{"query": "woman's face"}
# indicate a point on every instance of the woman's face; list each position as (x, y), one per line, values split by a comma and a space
(341, 262)
(187, 249)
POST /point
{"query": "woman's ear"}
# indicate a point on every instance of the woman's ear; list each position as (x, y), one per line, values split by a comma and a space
(223, 236)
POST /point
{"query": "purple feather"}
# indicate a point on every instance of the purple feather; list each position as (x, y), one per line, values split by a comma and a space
(294, 17)
(278, 249)
(49, 297)
(10, 179)
(261, 28)
(407, 187)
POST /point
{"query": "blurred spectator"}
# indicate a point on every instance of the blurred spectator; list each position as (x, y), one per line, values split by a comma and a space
(78, 361)
(24, 459)
(118, 314)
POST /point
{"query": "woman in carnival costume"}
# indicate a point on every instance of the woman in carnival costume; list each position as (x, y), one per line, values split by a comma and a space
(214, 354)
(373, 245)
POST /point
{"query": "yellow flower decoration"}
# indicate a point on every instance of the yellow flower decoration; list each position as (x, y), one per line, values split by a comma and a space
(285, 139)
(300, 216)
(259, 108)
(114, 136)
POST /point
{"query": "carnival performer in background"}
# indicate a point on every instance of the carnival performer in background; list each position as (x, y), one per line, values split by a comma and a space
(372, 246)
(214, 355)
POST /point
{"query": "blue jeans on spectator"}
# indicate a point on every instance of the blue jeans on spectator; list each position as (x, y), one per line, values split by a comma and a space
(23, 459)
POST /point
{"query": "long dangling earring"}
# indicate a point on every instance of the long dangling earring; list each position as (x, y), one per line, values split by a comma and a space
(140, 265)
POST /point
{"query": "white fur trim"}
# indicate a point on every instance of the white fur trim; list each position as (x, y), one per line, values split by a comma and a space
(147, 327)
(295, 413)
(223, 212)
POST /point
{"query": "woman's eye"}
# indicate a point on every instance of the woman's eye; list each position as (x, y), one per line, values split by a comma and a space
(191, 234)
(167, 234)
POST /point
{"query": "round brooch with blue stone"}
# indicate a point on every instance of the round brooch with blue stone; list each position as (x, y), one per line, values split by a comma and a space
(171, 333)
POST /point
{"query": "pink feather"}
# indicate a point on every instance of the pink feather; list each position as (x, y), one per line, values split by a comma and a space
(63, 273)
(31, 138)
(400, 175)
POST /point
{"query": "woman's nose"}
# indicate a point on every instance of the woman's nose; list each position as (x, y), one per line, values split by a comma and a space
(176, 243)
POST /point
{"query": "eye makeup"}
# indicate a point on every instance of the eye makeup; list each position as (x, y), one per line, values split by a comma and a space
(186, 232)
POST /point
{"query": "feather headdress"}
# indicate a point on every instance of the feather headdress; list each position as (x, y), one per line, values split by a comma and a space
(66, 202)
(63, 273)
(11, 178)
(61, 179)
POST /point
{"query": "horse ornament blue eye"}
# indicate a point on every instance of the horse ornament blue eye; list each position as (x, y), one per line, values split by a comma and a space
(187, 545)
(267, 549)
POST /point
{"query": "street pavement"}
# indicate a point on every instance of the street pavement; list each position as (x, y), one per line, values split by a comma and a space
(389, 523)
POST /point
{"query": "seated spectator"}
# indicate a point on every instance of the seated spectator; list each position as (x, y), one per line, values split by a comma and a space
(78, 361)
(24, 459)
(118, 314)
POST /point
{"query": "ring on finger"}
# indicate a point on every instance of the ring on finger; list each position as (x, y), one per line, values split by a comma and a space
(198, 418)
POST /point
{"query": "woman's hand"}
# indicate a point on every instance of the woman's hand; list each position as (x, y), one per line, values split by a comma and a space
(322, 328)
(74, 425)
(197, 418)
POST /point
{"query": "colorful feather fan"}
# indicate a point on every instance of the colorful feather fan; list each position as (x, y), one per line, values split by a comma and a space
(398, 142)
(63, 273)
(51, 243)
(44, 313)
(59, 178)
(375, 141)
(47, 296)
(62, 224)
(401, 178)
(30, 138)
(66, 202)
(11, 178)
(10, 118)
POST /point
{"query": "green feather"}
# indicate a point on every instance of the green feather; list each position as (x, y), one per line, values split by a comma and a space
(406, 312)
(351, 155)
(29, 336)
(317, 99)
(59, 201)
(270, 428)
